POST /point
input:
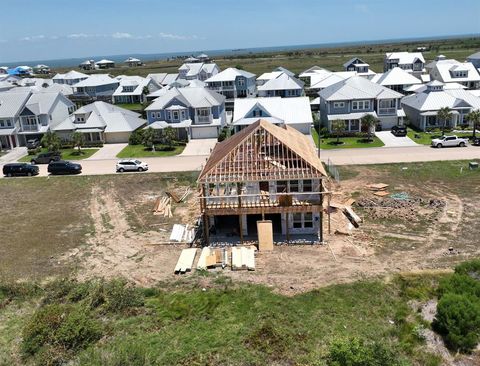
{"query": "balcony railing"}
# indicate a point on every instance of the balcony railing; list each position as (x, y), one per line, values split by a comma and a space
(29, 127)
(384, 111)
(204, 119)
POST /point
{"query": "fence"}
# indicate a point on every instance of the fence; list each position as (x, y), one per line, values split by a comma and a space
(333, 171)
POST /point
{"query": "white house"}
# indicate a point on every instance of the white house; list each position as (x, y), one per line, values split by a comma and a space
(133, 61)
(475, 59)
(422, 108)
(102, 122)
(324, 79)
(87, 65)
(105, 64)
(409, 61)
(70, 78)
(95, 87)
(197, 70)
(133, 89)
(233, 83)
(11, 106)
(163, 79)
(294, 112)
(452, 71)
(280, 84)
(396, 79)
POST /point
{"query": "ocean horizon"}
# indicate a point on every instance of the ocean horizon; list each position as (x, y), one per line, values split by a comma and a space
(73, 62)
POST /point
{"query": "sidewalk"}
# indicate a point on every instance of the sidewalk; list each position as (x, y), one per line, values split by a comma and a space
(13, 155)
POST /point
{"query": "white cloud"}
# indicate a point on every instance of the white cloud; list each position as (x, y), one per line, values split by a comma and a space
(78, 35)
(176, 36)
(121, 35)
(33, 38)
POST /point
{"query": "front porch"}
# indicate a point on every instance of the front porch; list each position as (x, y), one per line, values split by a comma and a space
(430, 120)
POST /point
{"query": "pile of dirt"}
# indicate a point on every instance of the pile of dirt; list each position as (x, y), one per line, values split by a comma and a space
(410, 209)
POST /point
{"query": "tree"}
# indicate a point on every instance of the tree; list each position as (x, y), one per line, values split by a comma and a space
(370, 122)
(338, 126)
(169, 136)
(444, 114)
(51, 141)
(78, 140)
(148, 137)
(474, 118)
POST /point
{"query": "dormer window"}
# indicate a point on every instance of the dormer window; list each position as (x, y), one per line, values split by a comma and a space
(80, 119)
(257, 113)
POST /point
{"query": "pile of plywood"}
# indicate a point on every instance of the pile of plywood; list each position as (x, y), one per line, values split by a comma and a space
(212, 258)
(185, 261)
(379, 189)
(182, 233)
(243, 258)
(163, 206)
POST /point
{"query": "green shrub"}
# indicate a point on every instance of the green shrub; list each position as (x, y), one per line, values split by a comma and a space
(126, 352)
(35, 151)
(459, 284)
(136, 137)
(355, 352)
(59, 329)
(458, 321)
(471, 268)
(17, 290)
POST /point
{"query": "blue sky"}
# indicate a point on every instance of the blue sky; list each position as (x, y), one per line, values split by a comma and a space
(52, 29)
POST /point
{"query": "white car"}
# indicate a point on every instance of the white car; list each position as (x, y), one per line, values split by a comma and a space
(448, 141)
(131, 165)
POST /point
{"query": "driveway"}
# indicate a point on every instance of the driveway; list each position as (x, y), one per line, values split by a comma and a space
(13, 155)
(381, 155)
(108, 151)
(199, 147)
(393, 141)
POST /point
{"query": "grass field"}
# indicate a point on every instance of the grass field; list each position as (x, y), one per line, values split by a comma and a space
(345, 142)
(329, 58)
(226, 323)
(133, 107)
(426, 138)
(67, 154)
(139, 151)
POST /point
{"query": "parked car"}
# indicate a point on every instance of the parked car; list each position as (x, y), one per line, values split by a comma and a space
(448, 141)
(131, 165)
(46, 158)
(18, 169)
(476, 141)
(33, 144)
(64, 167)
(399, 131)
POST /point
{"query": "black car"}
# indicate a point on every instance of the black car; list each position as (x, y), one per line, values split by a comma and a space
(18, 169)
(64, 167)
(476, 141)
(399, 131)
(46, 158)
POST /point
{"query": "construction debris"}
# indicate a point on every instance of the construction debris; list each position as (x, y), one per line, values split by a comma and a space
(174, 196)
(381, 193)
(377, 187)
(182, 234)
(185, 261)
(163, 206)
(211, 258)
(352, 216)
(243, 258)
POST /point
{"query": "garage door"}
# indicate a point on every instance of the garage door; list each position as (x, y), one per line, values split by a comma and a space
(204, 132)
(116, 137)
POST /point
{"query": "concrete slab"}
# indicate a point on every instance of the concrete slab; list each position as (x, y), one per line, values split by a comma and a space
(13, 155)
(393, 141)
(108, 151)
(199, 147)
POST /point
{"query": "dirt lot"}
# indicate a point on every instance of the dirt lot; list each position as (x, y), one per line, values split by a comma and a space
(104, 226)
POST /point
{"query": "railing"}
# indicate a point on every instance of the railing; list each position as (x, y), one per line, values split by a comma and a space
(383, 111)
(203, 119)
(29, 127)
(222, 88)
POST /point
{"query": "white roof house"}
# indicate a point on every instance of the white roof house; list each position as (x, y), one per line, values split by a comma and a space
(452, 71)
(422, 108)
(410, 61)
(229, 74)
(396, 79)
(194, 97)
(132, 61)
(475, 59)
(357, 88)
(294, 112)
(132, 89)
(105, 64)
(359, 66)
(109, 122)
(69, 78)
(324, 79)
(197, 70)
(281, 84)
(12, 103)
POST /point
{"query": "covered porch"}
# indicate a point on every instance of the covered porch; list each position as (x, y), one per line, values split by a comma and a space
(430, 120)
(8, 139)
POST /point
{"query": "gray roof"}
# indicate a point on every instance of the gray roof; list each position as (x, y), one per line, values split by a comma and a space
(357, 87)
(104, 116)
(282, 82)
(434, 100)
(96, 80)
(474, 56)
(230, 74)
(42, 103)
(12, 103)
(193, 97)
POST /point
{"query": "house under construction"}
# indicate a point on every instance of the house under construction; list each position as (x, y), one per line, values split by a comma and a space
(263, 172)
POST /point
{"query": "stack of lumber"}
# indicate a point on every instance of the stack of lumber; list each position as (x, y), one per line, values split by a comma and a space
(379, 189)
(211, 258)
(185, 261)
(163, 206)
(243, 258)
(182, 234)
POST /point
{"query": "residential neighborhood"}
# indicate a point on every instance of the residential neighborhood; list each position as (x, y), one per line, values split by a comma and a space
(240, 183)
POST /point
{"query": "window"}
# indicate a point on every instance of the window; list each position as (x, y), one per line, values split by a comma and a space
(294, 186)
(281, 186)
(387, 103)
(204, 112)
(175, 115)
(2, 123)
(307, 220)
(257, 113)
(241, 82)
(337, 105)
(307, 185)
(297, 220)
(354, 125)
(169, 115)
(158, 115)
(360, 105)
(183, 114)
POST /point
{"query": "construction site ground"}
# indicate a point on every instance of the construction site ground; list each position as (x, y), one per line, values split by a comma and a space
(104, 226)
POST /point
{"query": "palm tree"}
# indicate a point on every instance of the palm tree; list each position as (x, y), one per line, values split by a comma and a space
(78, 140)
(370, 122)
(444, 114)
(474, 118)
(338, 126)
(51, 141)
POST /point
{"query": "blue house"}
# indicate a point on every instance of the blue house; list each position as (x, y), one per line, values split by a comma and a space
(233, 83)
(195, 113)
(96, 87)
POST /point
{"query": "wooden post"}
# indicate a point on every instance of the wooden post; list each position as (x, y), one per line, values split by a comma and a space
(329, 214)
(320, 226)
(288, 231)
(240, 223)
(206, 230)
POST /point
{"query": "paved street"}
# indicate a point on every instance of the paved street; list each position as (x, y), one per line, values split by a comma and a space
(382, 155)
